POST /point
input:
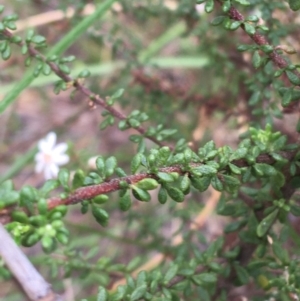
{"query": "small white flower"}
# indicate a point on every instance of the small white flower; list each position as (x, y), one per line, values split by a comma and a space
(50, 156)
(200, 8)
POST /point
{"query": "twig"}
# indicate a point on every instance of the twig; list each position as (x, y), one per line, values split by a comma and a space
(260, 40)
(89, 192)
(96, 99)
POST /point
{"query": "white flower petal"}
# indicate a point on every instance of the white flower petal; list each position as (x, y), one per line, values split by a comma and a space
(47, 173)
(62, 159)
(51, 171)
(38, 157)
(39, 167)
(54, 170)
(60, 148)
(51, 139)
(43, 146)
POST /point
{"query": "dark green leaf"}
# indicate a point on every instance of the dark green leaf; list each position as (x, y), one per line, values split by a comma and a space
(140, 194)
(125, 202)
(162, 195)
(165, 177)
(176, 194)
(100, 215)
(138, 293)
(263, 169)
(242, 274)
(280, 252)
(170, 274)
(216, 183)
(294, 5)
(294, 79)
(266, 223)
(204, 170)
(256, 60)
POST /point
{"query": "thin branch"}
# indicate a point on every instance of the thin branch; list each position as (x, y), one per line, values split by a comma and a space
(96, 99)
(89, 192)
(260, 40)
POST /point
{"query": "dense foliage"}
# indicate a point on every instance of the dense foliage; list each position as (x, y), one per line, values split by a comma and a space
(195, 177)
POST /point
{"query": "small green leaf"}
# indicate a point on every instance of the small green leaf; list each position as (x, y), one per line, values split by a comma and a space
(294, 79)
(162, 195)
(165, 177)
(214, 247)
(140, 194)
(255, 98)
(287, 97)
(243, 48)
(170, 274)
(100, 199)
(252, 18)
(294, 5)
(280, 252)
(84, 73)
(19, 216)
(136, 162)
(100, 215)
(242, 274)
(62, 237)
(185, 184)
(204, 170)
(42, 206)
(256, 60)
(235, 25)
(218, 20)
(78, 179)
(147, 184)
(209, 6)
(38, 39)
(201, 184)
(264, 169)
(110, 165)
(250, 29)
(48, 244)
(118, 93)
(6, 53)
(100, 164)
(266, 223)
(226, 6)
(102, 294)
(30, 239)
(48, 186)
(138, 293)
(63, 178)
(176, 194)
(230, 181)
(236, 170)
(205, 278)
(125, 202)
(295, 210)
(216, 183)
